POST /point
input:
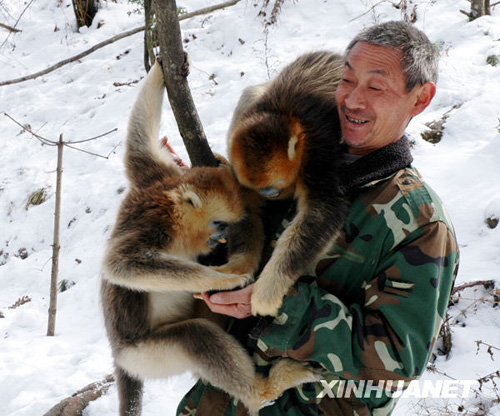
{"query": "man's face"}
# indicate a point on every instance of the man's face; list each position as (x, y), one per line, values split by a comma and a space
(373, 103)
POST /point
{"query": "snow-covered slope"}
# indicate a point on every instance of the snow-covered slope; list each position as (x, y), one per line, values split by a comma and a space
(229, 49)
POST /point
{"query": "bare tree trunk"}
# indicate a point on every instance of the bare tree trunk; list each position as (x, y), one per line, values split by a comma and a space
(479, 8)
(150, 36)
(85, 11)
(175, 72)
(55, 243)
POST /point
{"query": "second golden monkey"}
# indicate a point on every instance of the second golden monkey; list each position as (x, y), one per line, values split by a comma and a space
(283, 142)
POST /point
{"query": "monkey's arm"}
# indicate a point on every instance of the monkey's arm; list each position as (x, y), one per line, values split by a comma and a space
(310, 233)
(145, 161)
(131, 263)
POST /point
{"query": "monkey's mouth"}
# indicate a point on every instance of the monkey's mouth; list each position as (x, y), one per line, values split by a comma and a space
(219, 238)
(271, 193)
(355, 121)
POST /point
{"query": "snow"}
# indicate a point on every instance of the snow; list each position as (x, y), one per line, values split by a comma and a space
(229, 50)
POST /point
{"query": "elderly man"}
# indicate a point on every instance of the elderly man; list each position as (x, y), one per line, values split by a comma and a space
(371, 314)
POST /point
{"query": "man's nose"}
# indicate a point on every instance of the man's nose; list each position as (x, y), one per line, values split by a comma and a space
(355, 99)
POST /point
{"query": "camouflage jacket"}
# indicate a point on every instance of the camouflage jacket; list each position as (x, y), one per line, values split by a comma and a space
(370, 310)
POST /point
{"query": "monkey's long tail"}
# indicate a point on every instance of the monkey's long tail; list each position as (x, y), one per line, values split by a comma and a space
(145, 161)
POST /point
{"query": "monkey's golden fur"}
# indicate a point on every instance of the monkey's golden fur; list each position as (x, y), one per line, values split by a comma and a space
(155, 327)
(283, 142)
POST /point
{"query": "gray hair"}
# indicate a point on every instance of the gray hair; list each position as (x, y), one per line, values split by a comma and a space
(420, 57)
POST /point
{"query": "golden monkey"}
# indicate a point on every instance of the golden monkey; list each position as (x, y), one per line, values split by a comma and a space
(283, 142)
(155, 327)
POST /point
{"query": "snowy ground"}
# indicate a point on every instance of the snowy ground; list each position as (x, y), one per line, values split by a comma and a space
(229, 50)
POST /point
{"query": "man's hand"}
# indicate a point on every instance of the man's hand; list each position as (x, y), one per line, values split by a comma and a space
(235, 303)
(184, 167)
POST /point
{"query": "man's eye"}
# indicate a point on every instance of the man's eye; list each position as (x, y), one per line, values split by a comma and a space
(346, 80)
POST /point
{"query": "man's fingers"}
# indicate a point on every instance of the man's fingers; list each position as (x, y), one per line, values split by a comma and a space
(235, 296)
(230, 307)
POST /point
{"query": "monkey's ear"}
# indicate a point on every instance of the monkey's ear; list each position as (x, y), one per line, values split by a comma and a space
(191, 198)
(295, 142)
(292, 146)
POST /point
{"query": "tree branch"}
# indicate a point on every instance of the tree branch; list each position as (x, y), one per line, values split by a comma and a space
(175, 71)
(9, 28)
(74, 58)
(472, 284)
(75, 405)
(110, 41)
(17, 21)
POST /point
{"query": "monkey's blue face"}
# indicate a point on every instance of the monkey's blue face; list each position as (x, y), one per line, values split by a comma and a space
(219, 235)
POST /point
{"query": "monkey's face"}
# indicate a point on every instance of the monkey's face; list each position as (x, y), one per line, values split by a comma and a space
(209, 200)
(265, 152)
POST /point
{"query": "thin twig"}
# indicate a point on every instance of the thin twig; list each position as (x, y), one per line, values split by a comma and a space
(68, 144)
(37, 136)
(86, 151)
(472, 284)
(10, 28)
(108, 42)
(74, 58)
(368, 11)
(478, 343)
(208, 9)
(17, 21)
(94, 138)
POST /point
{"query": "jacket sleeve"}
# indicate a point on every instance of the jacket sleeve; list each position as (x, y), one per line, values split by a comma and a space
(389, 331)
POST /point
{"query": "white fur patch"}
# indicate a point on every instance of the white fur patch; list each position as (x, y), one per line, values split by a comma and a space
(192, 197)
(151, 359)
(292, 147)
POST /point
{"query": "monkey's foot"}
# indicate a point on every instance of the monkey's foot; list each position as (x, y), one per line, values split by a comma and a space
(288, 373)
(266, 298)
(284, 375)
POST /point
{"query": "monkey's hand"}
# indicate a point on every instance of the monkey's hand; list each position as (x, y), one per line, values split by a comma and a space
(239, 264)
(232, 280)
(268, 293)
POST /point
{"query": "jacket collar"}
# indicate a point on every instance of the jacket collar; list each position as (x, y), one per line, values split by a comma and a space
(377, 165)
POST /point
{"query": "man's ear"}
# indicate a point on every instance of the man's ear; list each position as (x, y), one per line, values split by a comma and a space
(425, 94)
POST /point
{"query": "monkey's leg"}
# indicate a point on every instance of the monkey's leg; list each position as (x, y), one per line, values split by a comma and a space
(203, 348)
(129, 393)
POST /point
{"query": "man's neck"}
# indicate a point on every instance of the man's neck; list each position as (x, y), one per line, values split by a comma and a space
(377, 164)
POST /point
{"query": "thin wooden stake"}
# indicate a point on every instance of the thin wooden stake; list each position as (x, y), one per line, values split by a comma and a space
(55, 244)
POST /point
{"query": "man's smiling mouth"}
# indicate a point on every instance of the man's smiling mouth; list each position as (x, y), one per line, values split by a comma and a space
(356, 121)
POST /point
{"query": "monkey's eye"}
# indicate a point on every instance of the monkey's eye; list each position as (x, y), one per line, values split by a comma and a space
(219, 225)
(270, 192)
